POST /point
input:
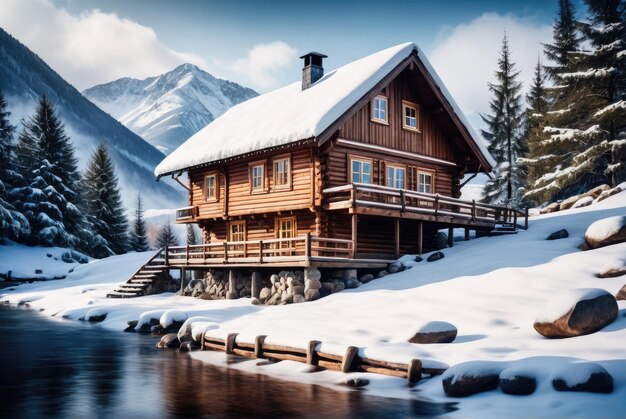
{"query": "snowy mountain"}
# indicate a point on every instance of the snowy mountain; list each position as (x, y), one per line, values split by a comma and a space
(24, 78)
(166, 110)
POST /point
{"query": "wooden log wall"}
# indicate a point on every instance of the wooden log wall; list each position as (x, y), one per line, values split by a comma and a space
(349, 362)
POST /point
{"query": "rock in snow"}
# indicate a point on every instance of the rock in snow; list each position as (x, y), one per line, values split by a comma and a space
(169, 341)
(576, 312)
(435, 256)
(587, 376)
(470, 378)
(559, 234)
(435, 332)
(517, 381)
(606, 232)
(172, 319)
(621, 294)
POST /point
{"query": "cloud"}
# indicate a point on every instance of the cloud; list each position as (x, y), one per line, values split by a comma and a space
(265, 63)
(465, 57)
(92, 47)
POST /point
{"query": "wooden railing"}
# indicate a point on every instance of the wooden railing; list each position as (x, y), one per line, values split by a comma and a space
(187, 213)
(301, 248)
(377, 196)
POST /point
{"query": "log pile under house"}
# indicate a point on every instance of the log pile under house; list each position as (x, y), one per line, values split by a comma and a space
(349, 169)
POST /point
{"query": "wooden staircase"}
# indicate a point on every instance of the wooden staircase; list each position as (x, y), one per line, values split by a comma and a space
(138, 283)
(504, 228)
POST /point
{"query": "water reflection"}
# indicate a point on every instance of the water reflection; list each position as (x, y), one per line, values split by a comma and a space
(60, 368)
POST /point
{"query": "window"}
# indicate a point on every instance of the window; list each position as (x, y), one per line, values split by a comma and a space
(379, 109)
(396, 176)
(286, 228)
(211, 188)
(425, 182)
(361, 171)
(410, 116)
(282, 172)
(257, 177)
(237, 231)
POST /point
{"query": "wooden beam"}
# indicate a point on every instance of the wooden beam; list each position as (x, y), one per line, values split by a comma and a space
(355, 226)
(420, 237)
(450, 236)
(467, 233)
(396, 236)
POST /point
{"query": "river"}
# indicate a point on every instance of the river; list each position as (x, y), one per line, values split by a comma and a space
(62, 368)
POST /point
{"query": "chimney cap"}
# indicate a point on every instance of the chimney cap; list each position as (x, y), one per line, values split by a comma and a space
(315, 54)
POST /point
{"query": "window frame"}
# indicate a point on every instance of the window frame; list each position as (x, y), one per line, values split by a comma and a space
(360, 160)
(294, 226)
(411, 105)
(216, 196)
(251, 167)
(395, 167)
(231, 224)
(373, 108)
(289, 184)
(427, 172)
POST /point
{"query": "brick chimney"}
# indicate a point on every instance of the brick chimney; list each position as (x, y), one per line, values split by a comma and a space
(313, 69)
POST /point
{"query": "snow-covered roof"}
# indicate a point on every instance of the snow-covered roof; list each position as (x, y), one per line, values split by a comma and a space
(290, 114)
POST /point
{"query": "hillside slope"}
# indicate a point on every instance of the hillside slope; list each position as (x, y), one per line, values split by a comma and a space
(24, 78)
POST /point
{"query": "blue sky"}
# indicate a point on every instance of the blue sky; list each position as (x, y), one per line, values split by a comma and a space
(257, 43)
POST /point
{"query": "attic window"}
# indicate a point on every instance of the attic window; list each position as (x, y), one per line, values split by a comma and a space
(210, 188)
(410, 116)
(380, 109)
(282, 172)
(257, 177)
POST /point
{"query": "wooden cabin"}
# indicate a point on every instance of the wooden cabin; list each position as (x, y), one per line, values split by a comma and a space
(352, 168)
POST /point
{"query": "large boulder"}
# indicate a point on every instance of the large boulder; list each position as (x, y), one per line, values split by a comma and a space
(583, 202)
(606, 232)
(585, 376)
(169, 341)
(612, 271)
(435, 332)
(576, 312)
(470, 378)
(604, 195)
(517, 381)
(554, 207)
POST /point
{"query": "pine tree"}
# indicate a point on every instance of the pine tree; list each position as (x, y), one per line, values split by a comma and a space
(13, 224)
(103, 204)
(504, 133)
(48, 196)
(166, 236)
(138, 237)
(584, 143)
(192, 239)
(537, 100)
(566, 39)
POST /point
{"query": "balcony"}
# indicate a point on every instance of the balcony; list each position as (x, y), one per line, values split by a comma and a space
(187, 214)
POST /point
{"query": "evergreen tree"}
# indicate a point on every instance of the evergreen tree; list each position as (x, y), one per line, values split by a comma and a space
(504, 133)
(566, 39)
(48, 196)
(192, 239)
(13, 224)
(103, 205)
(584, 144)
(166, 236)
(138, 237)
(537, 100)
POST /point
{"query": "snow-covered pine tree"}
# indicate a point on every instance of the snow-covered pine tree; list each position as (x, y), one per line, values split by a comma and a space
(566, 38)
(13, 224)
(587, 122)
(138, 237)
(103, 205)
(537, 101)
(48, 197)
(504, 133)
(166, 236)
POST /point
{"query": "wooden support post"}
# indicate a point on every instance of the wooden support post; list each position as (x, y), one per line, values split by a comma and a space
(450, 236)
(307, 245)
(526, 219)
(165, 251)
(467, 233)
(311, 353)
(414, 373)
(183, 274)
(355, 226)
(348, 358)
(232, 288)
(202, 342)
(258, 346)
(230, 343)
(256, 284)
(420, 238)
(260, 251)
(396, 236)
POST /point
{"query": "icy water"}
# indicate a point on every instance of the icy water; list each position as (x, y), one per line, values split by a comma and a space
(62, 368)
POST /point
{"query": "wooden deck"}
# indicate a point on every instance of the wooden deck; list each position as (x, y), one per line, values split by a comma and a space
(362, 198)
(301, 251)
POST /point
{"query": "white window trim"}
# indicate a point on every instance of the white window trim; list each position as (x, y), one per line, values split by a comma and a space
(395, 167)
(216, 185)
(432, 179)
(410, 105)
(251, 166)
(361, 160)
(380, 120)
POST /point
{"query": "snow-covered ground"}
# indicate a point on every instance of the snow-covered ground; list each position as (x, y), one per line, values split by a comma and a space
(491, 289)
